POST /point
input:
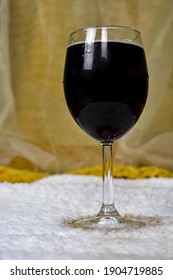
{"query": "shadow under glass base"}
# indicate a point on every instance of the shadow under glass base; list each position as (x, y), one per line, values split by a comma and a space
(110, 221)
(106, 222)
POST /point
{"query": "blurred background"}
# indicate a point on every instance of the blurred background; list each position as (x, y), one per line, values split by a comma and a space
(36, 129)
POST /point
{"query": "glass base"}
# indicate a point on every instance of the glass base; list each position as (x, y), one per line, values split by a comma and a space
(107, 222)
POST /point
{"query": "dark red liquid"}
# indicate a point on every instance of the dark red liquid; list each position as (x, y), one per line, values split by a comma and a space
(106, 87)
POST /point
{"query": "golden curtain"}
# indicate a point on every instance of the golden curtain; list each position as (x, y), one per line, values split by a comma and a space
(36, 129)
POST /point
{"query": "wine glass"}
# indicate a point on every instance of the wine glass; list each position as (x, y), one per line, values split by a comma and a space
(106, 86)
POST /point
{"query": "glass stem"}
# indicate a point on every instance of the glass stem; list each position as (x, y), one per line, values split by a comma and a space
(108, 208)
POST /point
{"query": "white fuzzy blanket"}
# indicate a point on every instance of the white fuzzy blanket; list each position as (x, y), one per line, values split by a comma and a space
(32, 219)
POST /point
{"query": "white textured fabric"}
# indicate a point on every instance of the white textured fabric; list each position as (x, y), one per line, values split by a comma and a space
(32, 219)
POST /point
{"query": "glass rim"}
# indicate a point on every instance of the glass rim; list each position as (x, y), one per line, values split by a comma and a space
(97, 27)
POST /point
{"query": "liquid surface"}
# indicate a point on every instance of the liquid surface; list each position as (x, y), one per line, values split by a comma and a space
(105, 85)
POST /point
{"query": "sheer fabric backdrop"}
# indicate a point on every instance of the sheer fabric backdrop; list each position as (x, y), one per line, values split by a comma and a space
(36, 129)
